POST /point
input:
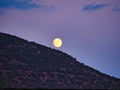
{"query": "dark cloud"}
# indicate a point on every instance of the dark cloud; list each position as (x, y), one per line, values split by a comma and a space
(116, 7)
(92, 7)
(19, 4)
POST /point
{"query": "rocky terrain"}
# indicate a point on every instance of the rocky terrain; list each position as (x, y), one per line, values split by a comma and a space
(25, 64)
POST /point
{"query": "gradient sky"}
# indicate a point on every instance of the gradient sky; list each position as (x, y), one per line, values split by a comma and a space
(90, 29)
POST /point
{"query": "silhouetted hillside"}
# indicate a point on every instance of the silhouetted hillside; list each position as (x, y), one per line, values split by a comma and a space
(25, 64)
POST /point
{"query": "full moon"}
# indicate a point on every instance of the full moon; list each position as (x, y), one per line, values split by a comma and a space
(57, 42)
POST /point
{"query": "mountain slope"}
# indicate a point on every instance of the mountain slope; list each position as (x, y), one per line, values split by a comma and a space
(25, 64)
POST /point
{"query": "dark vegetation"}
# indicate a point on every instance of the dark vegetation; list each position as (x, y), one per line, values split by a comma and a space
(25, 64)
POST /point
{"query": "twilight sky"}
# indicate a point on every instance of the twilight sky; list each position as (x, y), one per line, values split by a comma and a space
(90, 29)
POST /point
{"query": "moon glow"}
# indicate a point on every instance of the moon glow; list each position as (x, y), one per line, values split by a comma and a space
(57, 42)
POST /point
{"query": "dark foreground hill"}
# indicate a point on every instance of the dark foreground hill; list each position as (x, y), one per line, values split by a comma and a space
(26, 64)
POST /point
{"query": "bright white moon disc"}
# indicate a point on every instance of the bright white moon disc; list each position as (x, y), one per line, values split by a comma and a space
(57, 42)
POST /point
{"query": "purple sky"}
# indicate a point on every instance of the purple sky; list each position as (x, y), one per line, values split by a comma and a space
(90, 29)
